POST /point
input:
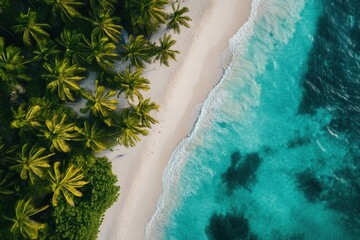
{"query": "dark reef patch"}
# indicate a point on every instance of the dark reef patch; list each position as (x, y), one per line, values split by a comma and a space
(309, 185)
(332, 77)
(231, 226)
(298, 142)
(241, 173)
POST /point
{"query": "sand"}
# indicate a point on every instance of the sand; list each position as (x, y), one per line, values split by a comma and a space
(180, 90)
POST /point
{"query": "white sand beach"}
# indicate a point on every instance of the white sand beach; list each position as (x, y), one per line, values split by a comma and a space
(179, 90)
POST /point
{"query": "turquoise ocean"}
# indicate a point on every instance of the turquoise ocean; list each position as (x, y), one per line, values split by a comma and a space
(275, 151)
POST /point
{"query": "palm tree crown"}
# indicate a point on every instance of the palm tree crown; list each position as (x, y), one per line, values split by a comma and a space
(30, 28)
(94, 136)
(102, 50)
(30, 162)
(66, 183)
(102, 104)
(143, 109)
(58, 132)
(6, 153)
(63, 77)
(6, 183)
(23, 223)
(146, 15)
(24, 119)
(45, 50)
(12, 63)
(137, 51)
(176, 18)
(164, 52)
(73, 42)
(131, 83)
(105, 24)
(66, 8)
(105, 4)
(129, 127)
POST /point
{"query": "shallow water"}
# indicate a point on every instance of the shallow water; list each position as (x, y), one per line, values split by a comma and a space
(275, 152)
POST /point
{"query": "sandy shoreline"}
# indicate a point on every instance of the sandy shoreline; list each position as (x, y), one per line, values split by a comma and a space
(179, 90)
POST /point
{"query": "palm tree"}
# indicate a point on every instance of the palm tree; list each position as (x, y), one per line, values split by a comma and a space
(6, 183)
(31, 162)
(102, 51)
(94, 136)
(102, 104)
(73, 42)
(146, 15)
(66, 8)
(6, 153)
(22, 222)
(129, 128)
(45, 50)
(131, 83)
(30, 28)
(105, 24)
(12, 64)
(63, 77)
(26, 119)
(67, 183)
(137, 51)
(176, 18)
(164, 52)
(58, 133)
(143, 109)
(105, 4)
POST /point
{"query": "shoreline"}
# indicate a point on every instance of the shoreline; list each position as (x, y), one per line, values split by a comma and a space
(179, 90)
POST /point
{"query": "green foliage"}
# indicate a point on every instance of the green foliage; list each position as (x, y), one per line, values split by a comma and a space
(164, 51)
(12, 65)
(176, 18)
(105, 24)
(66, 183)
(146, 15)
(7, 154)
(45, 50)
(94, 136)
(55, 43)
(82, 222)
(63, 77)
(4, 5)
(104, 4)
(26, 119)
(6, 183)
(102, 50)
(102, 104)
(66, 8)
(131, 83)
(22, 222)
(52, 106)
(142, 111)
(30, 29)
(73, 42)
(30, 162)
(58, 132)
(129, 127)
(138, 51)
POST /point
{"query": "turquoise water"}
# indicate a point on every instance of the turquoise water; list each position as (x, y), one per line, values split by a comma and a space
(268, 159)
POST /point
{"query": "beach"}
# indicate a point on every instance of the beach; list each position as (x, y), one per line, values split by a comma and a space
(179, 90)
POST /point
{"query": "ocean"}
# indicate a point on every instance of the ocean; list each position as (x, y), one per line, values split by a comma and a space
(275, 151)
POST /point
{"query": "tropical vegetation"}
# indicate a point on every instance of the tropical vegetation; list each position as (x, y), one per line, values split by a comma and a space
(53, 185)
